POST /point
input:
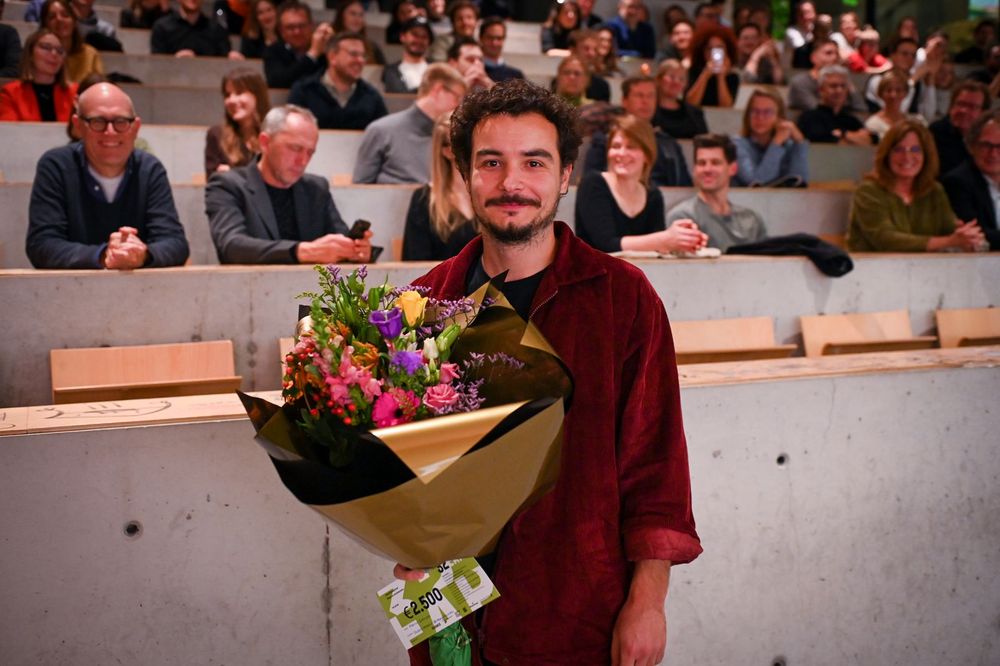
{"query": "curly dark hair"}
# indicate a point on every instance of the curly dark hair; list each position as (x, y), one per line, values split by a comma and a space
(515, 97)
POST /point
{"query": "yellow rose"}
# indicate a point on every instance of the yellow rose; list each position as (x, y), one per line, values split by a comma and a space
(412, 304)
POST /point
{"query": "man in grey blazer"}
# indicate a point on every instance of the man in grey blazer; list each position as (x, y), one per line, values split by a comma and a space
(271, 211)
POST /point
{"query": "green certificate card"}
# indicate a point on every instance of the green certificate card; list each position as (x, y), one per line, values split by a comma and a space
(449, 592)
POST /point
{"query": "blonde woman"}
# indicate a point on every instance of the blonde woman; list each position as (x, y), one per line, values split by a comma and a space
(618, 210)
(440, 220)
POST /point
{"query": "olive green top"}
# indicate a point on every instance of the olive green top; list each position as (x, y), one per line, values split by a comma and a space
(882, 222)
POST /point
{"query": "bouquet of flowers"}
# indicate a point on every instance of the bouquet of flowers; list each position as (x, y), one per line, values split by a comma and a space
(418, 426)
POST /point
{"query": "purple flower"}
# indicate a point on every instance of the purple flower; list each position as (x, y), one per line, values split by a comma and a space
(408, 361)
(388, 322)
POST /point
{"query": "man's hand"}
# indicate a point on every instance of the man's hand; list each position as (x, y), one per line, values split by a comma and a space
(332, 248)
(405, 573)
(683, 236)
(125, 250)
(236, 55)
(476, 76)
(185, 53)
(640, 635)
(321, 35)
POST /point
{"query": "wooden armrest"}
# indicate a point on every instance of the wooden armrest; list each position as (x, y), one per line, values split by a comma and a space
(979, 342)
(863, 346)
(726, 355)
(153, 389)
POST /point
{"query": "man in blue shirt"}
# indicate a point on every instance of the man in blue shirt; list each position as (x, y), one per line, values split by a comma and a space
(633, 37)
(101, 203)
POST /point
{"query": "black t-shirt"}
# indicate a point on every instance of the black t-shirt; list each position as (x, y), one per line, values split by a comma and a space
(520, 293)
(685, 122)
(46, 100)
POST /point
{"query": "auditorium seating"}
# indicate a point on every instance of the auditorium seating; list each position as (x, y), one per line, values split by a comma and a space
(859, 332)
(98, 374)
(968, 327)
(718, 340)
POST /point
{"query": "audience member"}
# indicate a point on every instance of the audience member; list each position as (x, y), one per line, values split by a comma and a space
(758, 59)
(463, 15)
(583, 44)
(271, 211)
(588, 19)
(906, 28)
(81, 59)
(261, 29)
(712, 81)
(891, 90)
(404, 76)
(982, 38)
(969, 99)
(396, 148)
(41, 92)
(440, 220)
(572, 80)
(973, 187)
(492, 35)
(188, 32)
(143, 13)
(607, 53)
(679, 47)
(866, 57)
(633, 36)
(920, 96)
(803, 89)
(300, 51)
(674, 14)
(760, 16)
(403, 11)
(438, 16)
(801, 30)
(231, 15)
(349, 18)
(900, 207)
(617, 208)
(830, 121)
(770, 150)
(246, 102)
(466, 56)
(822, 29)
(563, 20)
(87, 20)
(710, 209)
(339, 97)
(707, 15)
(10, 49)
(668, 168)
(675, 116)
(101, 203)
(848, 38)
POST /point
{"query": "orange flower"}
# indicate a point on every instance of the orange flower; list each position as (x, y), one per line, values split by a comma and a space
(366, 355)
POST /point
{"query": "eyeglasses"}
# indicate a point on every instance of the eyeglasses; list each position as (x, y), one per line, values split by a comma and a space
(99, 124)
(987, 146)
(763, 113)
(902, 150)
(52, 48)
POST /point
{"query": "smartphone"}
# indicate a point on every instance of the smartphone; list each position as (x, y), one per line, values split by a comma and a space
(718, 55)
(358, 230)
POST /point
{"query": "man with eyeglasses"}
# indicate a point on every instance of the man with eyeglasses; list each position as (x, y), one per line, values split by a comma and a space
(830, 121)
(339, 97)
(969, 99)
(299, 53)
(187, 32)
(492, 35)
(100, 203)
(973, 187)
(397, 148)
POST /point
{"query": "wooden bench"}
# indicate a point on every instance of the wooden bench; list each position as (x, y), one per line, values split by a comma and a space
(142, 371)
(717, 340)
(861, 332)
(968, 327)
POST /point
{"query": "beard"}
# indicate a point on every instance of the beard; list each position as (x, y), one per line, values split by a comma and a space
(510, 234)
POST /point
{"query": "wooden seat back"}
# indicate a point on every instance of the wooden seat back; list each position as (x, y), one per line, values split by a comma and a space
(142, 371)
(968, 327)
(860, 332)
(716, 340)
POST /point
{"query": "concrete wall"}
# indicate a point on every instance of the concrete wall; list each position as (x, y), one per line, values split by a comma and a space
(254, 306)
(873, 543)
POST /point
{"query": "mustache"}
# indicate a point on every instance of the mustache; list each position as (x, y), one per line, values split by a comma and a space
(513, 199)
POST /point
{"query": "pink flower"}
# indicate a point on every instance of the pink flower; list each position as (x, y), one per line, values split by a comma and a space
(440, 397)
(394, 407)
(449, 372)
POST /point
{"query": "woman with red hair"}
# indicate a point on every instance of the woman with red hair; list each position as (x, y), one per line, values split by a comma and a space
(713, 81)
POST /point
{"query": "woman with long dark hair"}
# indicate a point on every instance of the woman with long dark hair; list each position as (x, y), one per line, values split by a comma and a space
(234, 142)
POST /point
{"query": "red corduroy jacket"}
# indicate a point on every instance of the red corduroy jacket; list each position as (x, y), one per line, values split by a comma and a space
(624, 494)
(18, 102)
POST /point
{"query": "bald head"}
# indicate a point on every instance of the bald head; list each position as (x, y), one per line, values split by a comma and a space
(104, 94)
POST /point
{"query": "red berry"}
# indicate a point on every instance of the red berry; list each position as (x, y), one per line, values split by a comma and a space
(347, 420)
(351, 407)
